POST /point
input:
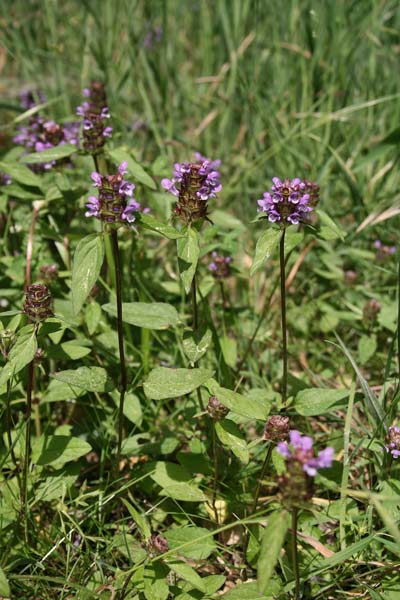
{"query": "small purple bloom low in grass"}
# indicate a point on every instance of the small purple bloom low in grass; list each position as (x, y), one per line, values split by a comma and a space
(115, 203)
(220, 266)
(289, 201)
(393, 445)
(300, 450)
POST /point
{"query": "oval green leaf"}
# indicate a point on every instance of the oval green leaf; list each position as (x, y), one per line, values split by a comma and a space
(165, 383)
(149, 315)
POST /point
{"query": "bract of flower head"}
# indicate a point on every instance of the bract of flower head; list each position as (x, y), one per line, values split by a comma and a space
(300, 450)
(288, 201)
(193, 184)
(115, 203)
(393, 445)
(220, 266)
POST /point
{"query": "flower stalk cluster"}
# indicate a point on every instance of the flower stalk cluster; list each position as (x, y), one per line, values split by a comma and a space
(194, 184)
(115, 204)
(302, 465)
(220, 266)
(393, 443)
(38, 304)
(289, 201)
(95, 114)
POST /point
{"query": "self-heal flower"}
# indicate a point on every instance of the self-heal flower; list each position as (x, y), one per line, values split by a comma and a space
(94, 113)
(300, 450)
(220, 266)
(193, 184)
(115, 203)
(288, 201)
(5, 179)
(393, 445)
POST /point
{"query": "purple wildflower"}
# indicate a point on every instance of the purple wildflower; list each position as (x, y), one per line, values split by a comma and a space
(94, 112)
(287, 202)
(152, 37)
(383, 251)
(39, 135)
(220, 266)
(300, 450)
(193, 184)
(393, 445)
(5, 179)
(115, 203)
(29, 98)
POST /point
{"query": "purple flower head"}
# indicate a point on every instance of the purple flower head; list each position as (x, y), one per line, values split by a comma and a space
(41, 134)
(393, 445)
(193, 184)
(220, 266)
(5, 179)
(94, 113)
(383, 251)
(152, 37)
(115, 204)
(288, 201)
(30, 98)
(300, 450)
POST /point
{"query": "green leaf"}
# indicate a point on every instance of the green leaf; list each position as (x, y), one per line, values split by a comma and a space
(132, 408)
(175, 482)
(155, 581)
(271, 545)
(149, 315)
(229, 350)
(21, 354)
(92, 316)
(139, 519)
(59, 390)
(87, 262)
(71, 350)
(330, 230)
(251, 407)
(91, 379)
(198, 542)
(245, 591)
(149, 222)
(195, 344)
(265, 246)
(230, 435)
(372, 404)
(129, 547)
(50, 154)
(188, 574)
(319, 401)
(367, 346)
(135, 170)
(188, 248)
(56, 450)
(4, 587)
(165, 383)
(20, 173)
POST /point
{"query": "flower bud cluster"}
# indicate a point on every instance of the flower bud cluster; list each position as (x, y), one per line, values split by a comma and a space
(115, 203)
(289, 201)
(194, 184)
(216, 409)
(38, 302)
(94, 112)
(220, 266)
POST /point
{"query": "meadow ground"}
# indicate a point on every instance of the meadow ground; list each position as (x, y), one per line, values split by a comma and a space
(120, 478)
